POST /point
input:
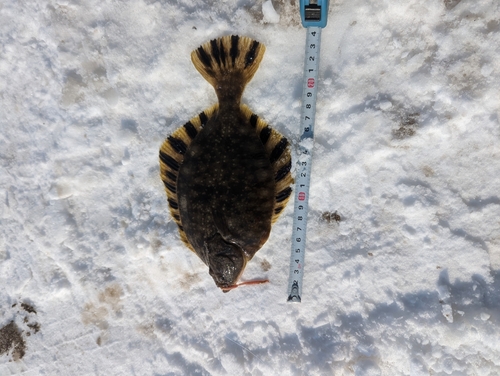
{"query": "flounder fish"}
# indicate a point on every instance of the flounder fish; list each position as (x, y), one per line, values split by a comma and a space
(226, 172)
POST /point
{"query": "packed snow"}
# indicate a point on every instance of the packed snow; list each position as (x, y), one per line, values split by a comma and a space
(402, 269)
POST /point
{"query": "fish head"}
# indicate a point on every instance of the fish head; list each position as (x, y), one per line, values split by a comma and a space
(226, 262)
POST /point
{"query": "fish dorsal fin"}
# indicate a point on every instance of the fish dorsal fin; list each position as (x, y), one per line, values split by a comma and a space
(278, 150)
(171, 157)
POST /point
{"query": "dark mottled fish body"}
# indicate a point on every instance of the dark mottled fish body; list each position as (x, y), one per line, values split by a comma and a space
(226, 175)
(226, 172)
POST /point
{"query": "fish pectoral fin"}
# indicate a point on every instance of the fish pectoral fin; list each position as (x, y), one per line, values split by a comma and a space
(222, 226)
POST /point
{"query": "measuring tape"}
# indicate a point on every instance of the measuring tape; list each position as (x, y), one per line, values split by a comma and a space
(314, 16)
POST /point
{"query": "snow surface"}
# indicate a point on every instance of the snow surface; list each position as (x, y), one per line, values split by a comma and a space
(406, 153)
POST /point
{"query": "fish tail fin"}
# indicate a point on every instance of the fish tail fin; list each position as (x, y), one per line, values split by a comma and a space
(228, 64)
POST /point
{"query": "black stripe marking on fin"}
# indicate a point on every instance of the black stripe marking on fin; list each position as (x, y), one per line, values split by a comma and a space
(178, 145)
(203, 118)
(264, 135)
(234, 48)
(283, 171)
(253, 120)
(173, 204)
(205, 59)
(169, 161)
(190, 129)
(170, 187)
(215, 51)
(223, 54)
(284, 194)
(278, 210)
(171, 176)
(278, 150)
(250, 57)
